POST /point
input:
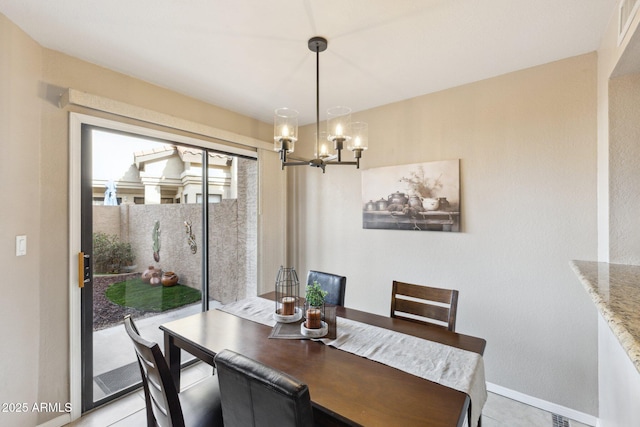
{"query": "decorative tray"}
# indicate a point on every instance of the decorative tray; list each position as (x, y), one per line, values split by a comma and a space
(293, 330)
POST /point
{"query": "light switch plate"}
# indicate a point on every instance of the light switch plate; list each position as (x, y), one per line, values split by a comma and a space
(21, 245)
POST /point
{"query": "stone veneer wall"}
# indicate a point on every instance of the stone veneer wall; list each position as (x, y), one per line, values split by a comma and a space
(232, 238)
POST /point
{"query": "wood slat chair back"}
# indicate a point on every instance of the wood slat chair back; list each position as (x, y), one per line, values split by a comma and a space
(163, 404)
(420, 307)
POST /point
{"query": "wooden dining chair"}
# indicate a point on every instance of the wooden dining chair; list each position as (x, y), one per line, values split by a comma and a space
(198, 405)
(424, 304)
(334, 284)
(257, 395)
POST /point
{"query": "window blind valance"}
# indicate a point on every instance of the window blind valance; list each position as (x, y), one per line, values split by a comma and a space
(230, 142)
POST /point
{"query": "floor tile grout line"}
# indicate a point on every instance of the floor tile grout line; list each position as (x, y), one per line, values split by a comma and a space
(131, 415)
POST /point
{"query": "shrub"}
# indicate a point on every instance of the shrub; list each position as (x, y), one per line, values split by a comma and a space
(110, 254)
(315, 295)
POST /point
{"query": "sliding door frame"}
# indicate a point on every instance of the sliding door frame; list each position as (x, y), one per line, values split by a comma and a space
(76, 122)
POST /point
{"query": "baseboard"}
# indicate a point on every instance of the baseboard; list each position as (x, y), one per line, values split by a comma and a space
(58, 421)
(544, 405)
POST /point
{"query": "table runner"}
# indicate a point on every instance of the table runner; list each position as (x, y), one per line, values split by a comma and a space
(452, 367)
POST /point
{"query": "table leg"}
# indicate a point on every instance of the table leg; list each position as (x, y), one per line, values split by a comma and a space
(172, 354)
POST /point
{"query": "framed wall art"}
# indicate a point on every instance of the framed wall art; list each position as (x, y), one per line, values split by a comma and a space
(420, 197)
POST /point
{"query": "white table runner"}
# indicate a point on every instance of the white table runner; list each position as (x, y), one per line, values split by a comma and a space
(459, 369)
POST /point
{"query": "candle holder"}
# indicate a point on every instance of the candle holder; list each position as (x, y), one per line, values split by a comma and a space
(287, 298)
(314, 324)
(314, 316)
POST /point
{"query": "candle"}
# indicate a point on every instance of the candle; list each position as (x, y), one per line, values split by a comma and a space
(285, 131)
(314, 319)
(338, 130)
(323, 150)
(357, 142)
(288, 306)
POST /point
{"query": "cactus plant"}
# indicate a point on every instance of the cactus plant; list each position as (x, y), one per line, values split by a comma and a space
(156, 241)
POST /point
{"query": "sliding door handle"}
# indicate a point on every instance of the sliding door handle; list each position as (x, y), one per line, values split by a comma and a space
(84, 269)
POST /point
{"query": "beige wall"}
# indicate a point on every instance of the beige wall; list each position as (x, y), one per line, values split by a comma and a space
(20, 213)
(618, 60)
(527, 147)
(624, 172)
(34, 138)
(61, 71)
(619, 79)
(618, 203)
(527, 144)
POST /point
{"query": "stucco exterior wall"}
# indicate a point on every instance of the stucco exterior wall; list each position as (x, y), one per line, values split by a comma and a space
(232, 238)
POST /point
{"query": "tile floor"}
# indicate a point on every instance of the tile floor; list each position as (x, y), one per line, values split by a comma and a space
(500, 411)
(113, 349)
(128, 411)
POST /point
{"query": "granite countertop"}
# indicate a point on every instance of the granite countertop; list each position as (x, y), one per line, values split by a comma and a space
(615, 289)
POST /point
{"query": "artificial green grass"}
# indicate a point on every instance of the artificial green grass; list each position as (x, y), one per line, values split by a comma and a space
(136, 294)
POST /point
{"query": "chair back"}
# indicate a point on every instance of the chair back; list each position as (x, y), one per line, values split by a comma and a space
(161, 396)
(419, 306)
(332, 283)
(256, 395)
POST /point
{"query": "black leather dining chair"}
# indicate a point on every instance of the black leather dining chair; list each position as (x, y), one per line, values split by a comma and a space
(257, 395)
(332, 283)
(196, 406)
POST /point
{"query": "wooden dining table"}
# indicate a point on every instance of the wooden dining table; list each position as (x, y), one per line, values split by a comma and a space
(345, 389)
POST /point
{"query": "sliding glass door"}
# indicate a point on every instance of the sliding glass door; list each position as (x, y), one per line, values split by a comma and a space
(158, 248)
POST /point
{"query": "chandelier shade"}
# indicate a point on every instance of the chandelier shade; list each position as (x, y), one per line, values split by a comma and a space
(339, 123)
(285, 129)
(359, 136)
(324, 149)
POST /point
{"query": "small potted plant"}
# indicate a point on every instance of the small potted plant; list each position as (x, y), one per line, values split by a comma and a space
(315, 303)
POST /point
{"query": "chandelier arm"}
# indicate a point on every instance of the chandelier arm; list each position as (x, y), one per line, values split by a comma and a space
(356, 163)
(299, 163)
(341, 163)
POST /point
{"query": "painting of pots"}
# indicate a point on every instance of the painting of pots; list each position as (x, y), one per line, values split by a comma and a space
(419, 197)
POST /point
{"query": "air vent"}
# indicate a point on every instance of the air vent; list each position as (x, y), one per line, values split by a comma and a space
(559, 421)
(626, 13)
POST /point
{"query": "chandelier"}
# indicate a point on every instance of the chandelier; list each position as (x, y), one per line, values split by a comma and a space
(341, 132)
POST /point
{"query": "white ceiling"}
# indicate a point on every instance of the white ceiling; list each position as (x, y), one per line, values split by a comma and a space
(251, 56)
